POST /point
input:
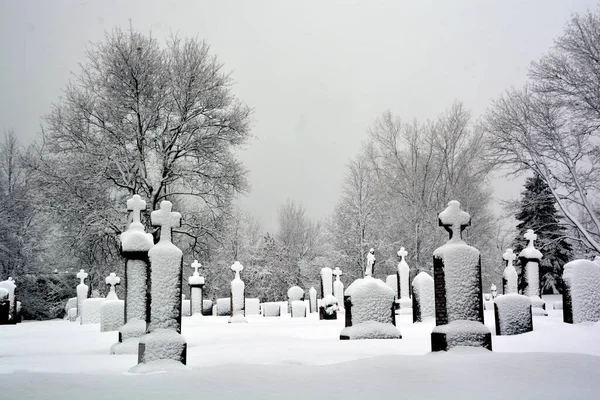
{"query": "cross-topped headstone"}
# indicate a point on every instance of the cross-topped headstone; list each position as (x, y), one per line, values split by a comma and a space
(112, 280)
(196, 265)
(82, 275)
(509, 256)
(166, 220)
(454, 220)
(337, 272)
(137, 205)
(402, 253)
(531, 236)
(237, 267)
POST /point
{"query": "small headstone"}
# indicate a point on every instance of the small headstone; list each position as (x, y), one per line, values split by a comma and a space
(196, 283)
(581, 293)
(530, 273)
(82, 290)
(370, 311)
(457, 278)
(298, 309)
(329, 305)
(423, 300)
(338, 286)
(294, 293)
(207, 307)
(90, 311)
(112, 311)
(223, 307)
(312, 297)
(512, 313)
(71, 303)
(271, 309)
(392, 282)
(370, 270)
(510, 278)
(403, 273)
(238, 295)
(112, 280)
(252, 306)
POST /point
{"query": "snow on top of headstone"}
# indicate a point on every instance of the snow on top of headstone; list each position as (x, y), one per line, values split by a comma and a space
(196, 265)
(196, 280)
(312, 290)
(371, 330)
(9, 285)
(512, 299)
(135, 239)
(530, 252)
(166, 220)
(509, 256)
(582, 277)
(371, 299)
(295, 293)
(454, 220)
(597, 260)
(3, 293)
(462, 326)
(422, 278)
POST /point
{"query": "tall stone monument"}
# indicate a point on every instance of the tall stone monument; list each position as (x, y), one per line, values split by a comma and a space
(163, 340)
(530, 273)
(329, 304)
(338, 286)
(196, 283)
(238, 295)
(82, 291)
(458, 294)
(404, 283)
(510, 278)
(312, 299)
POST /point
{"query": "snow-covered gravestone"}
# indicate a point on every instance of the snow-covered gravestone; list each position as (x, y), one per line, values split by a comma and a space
(271, 309)
(312, 298)
(294, 293)
(112, 311)
(457, 282)
(512, 313)
(196, 282)
(423, 298)
(403, 283)
(530, 273)
(370, 311)
(82, 290)
(510, 278)
(252, 306)
(10, 286)
(238, 295)
(329, 304)
(223, 307)
(135, 244)
(581, 294)
(338, 286)
(4, 307)
(164, 340)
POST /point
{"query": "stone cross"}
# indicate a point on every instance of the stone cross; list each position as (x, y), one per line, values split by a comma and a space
(82, 275)
(337, 272)
(509, 256)
(237, 267)
(454, 220)
(402, 253)
(531, 236)
(196, 265)
(166, 219)
(137, 205)
(112, 280)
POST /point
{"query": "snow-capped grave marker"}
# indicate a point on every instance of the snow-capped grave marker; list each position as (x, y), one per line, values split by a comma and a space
(312, 297)
(112, 311)
(581, 293)
(530, 273)
(238, 295)
(4, 307)
(370, 311)
(294, 293)
(82, 290)
(252, 306)
(370, 270)
(271, 309)
(298, 309)
(510, 278)
(329, 304)
(223, 307)
(457, 278)
(404, 283)
(10, 286)
(164, 340)
(512, 313)
(338, 286)
(196, 282)
(423, 298)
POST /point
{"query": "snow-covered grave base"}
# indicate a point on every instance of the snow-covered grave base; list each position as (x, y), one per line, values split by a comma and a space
(90, 310)
(285, 358)
(112, 315)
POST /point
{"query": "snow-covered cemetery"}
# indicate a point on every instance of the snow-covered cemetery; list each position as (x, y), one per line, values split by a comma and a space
(210, 200)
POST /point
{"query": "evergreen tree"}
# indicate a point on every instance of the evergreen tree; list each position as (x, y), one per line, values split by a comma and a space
(537, 211)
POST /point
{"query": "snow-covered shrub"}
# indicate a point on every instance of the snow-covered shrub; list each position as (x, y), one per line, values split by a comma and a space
(44, 296)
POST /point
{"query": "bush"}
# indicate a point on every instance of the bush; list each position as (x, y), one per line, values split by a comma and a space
(44, 296)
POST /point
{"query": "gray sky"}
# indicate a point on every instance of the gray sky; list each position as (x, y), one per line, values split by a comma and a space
(317, 73)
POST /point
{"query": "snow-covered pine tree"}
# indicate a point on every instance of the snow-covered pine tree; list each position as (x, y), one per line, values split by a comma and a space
(537, 210)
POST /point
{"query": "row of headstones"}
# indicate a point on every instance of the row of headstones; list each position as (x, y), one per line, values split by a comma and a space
(10, 307)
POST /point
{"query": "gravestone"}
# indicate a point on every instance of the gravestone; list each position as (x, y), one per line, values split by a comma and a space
(581, 293)
(423, 297)
(530, 273)
(4, 306)
(164, 340)
(207, 307)
(135, 244)
(252, 306)
(223, 307)
(298, 309)
(457, 282)
(186, 306)
(82, 290)
(392, 282)
(338, 286)
(494, 291)
(112, 311)
(90, 310)
(370, 311)
(512, 313)
(370, 270)
(294, 293)
(510, 278)
(196, 283)
(404, 283)
(238, 295)
(10, 286)
(312, 297)
(71, 304)
(329, 304)
(271, 309)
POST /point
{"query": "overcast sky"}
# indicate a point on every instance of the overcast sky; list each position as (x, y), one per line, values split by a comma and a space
(317, 73)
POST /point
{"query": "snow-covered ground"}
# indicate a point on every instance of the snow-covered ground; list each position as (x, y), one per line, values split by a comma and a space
(285, 358)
